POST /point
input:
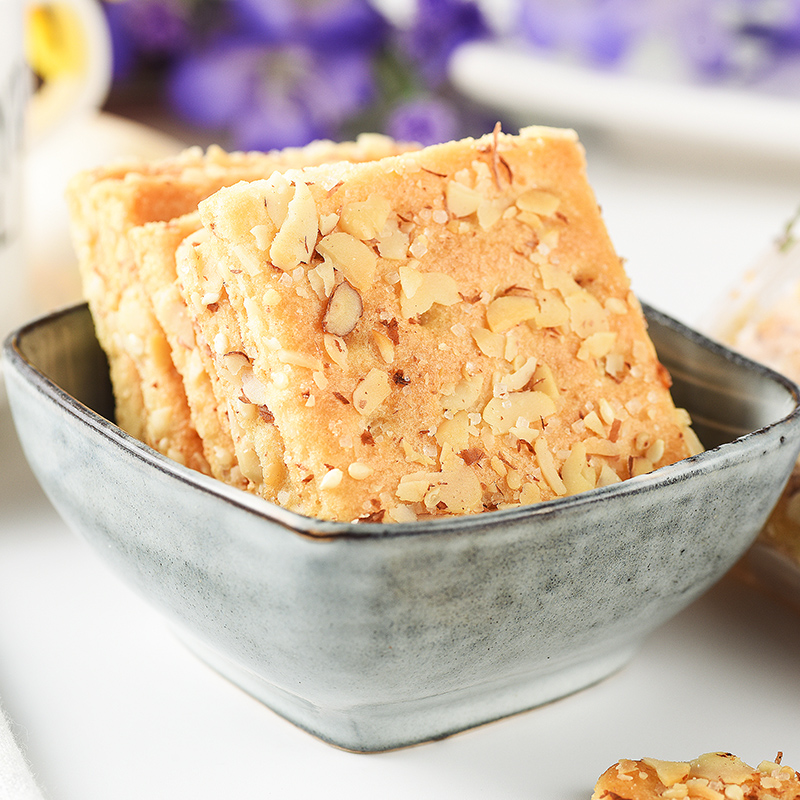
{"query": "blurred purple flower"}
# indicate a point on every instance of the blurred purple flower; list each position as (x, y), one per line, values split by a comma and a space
(147, 29)
(439, 27)
(423, 120)
(270, 96)
(331, 25)
(597, 32)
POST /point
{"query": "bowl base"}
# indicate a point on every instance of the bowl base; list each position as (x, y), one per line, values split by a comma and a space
(372, 728)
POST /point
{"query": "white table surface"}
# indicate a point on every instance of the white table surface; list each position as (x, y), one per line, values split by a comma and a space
(108, 705)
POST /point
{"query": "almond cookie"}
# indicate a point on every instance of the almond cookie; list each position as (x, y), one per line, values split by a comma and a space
(441, 332)
(713, 776)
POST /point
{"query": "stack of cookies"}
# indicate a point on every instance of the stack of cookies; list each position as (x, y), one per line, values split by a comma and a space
(372, 331)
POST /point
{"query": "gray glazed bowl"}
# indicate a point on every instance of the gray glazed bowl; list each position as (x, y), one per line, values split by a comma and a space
(378, 636)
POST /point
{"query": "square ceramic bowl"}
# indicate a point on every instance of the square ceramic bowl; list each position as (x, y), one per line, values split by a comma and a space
(375, 636)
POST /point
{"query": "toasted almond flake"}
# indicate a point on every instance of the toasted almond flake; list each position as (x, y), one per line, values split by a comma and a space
(263, 236)
(656, 450)
(247, 259)
(252, 388)
(597, 345)
(504, 312)
(221, 343)
(332, 479)
(235, 361)
(587, 316)
(723, 767)
(277, 198)
(454, 431)
(593, 423)
(498, 466)
(435, 287)
(607, 476)
(491, 210)
(529, 494)
(354, 259)
(538, 201)
(459, 490)
(327, 222)
(392, 242)
(294, 242)
(548, 467)
(336, 348)
(501, 413)
(319, 379)
(365, 219)
(461, 200)
(299, 359)
(574, 471)
(371, 392)
(401, 513)
(385, 346)
(544, 381)
(343, 311)
(521, 378)
(552, 313)
(489, 343)
(615, 305)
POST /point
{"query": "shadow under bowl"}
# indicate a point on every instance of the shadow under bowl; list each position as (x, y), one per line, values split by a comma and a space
(377, 636)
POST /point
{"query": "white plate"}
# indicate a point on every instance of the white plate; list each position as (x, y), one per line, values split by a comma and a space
(512, 79)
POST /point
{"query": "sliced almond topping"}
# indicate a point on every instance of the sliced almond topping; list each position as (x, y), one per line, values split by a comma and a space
(294, 242)
(544, 381)
(276, 200)
(521, 378)
(344, 310)
(594, 424)
(454, 432)
(461, 200)
(419, 292)
(491, 210)
(392, 242)
(327, 222)
(530, 493)
(587, 316)
(463, 395)
(538, 201)
(365, 219)
(607, 476)
(548, 467)
(298, 359)
(503, 412)
(575, 472)
(385, 346)
(656, 451)
(555, 278)
(552, 313)
(354, 259)
(457, 491)
(235, 361)
(490, 344)
(336, 348)
(668, 772)
(641, 466)
(503, 313)
(252, 388)
(371, 392)
(720, 767)
(262, 235)
(597, 345)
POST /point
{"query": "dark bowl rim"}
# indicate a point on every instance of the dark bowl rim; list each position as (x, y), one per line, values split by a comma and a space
(319, 529)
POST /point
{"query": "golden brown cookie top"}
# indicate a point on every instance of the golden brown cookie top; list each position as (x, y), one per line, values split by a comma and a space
(444, 331)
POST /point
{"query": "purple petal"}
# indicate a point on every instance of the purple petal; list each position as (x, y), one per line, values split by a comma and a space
(427, 121)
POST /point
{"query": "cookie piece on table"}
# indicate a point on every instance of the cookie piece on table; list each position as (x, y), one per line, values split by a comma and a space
(441, 332)
(713, 776)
